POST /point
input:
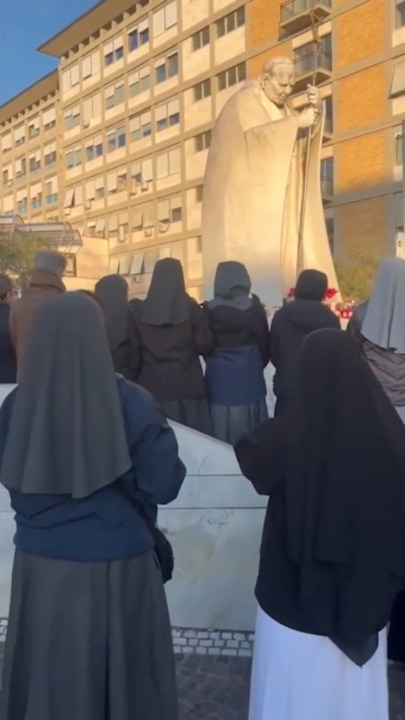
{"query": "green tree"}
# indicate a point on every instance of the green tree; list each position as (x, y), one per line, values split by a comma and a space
(17, 255)
(356, 274)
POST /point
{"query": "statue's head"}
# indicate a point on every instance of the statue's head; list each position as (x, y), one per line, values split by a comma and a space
(277, 80)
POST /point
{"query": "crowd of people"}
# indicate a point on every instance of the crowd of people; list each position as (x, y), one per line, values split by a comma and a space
(87, 455)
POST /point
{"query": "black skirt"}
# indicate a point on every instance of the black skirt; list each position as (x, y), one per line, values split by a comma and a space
(230, 422)
(194, 414)
(89, 641)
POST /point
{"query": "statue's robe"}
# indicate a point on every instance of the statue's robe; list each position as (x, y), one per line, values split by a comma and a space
(252, 196)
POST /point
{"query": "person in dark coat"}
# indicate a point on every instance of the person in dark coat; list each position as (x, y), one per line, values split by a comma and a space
(290, 326)
(81, 449)
(8, 363)
(234, 371)
(332, 553)
(172, 333)
(112, 294)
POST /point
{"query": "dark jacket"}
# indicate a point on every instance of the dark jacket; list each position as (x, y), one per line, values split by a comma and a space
(43, 287)
(8, 364)
(291, 325)
(106, 525)
(126, 357)
(168, 355)
(387, 365)
(234, 371)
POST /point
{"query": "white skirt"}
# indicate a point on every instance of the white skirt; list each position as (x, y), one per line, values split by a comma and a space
(296, 676)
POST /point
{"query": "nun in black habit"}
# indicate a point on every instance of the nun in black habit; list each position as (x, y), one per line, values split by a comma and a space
(332, 555)
(112, 294)
(173, 332)
(80, 449)
(235, 370)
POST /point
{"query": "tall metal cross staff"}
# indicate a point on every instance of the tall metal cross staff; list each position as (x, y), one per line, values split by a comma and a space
(317, 44)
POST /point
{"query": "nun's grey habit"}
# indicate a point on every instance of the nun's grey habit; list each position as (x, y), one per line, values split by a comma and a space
(86, 640)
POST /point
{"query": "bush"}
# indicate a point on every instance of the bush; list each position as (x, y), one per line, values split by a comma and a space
(356, 275)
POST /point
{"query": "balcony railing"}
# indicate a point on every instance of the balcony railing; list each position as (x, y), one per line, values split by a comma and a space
(296, 15)
(312, 67)
(327, 189)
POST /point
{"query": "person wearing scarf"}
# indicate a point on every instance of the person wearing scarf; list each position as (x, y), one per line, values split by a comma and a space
(89, 634)
(235, 369)
(173, 333)
(332, 555)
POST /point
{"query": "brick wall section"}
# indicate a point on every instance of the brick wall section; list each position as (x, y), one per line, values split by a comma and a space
(361, 99)
(263, 22)
(363, 225)
(359, 33)
(361, 163)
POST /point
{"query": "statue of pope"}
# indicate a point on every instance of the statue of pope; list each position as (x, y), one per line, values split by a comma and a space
(254, 185)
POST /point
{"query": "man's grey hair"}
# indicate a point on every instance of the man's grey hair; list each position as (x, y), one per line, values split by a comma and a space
(50, 261)
(279, 61)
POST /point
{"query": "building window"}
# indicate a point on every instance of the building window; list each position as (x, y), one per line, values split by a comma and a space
(231, 22)
(330, 230)
(33, 128)
(202, 90)
(99, 188)
(140, 126)
(165, 18)
(399, 14)
(70, 269)
(70, 78)
(328, 103)
(169, 211)
(91, 108)
(22, 205)
(6, 176)
(72, 117)
(166, 68)
(36, 201)
(73, 157)
(50, 156)
(34, 162)
(200, 39)
(20, 168)
(199, 194)
(167, 115)
(327, 173)
(168, 163)
(94, 147)
(113, 51)
(19, 136)
(139, 81)
(116, 139)
(51, 192)
(203, 141)
(307, 57)
(142, 173)
(398, 140)
(91, 65)
(114, 95)
(138, 36)
(49, 119)
(232, 76)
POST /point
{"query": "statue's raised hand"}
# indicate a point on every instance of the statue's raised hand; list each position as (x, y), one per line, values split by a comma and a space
(307, 117)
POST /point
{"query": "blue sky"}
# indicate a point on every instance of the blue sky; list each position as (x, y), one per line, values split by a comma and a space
(25, 24)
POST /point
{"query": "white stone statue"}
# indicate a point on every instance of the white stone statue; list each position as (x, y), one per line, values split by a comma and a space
(254, 186)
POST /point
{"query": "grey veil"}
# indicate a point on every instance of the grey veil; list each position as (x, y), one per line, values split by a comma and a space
(384, 323)
(66, 434)
(232, 285)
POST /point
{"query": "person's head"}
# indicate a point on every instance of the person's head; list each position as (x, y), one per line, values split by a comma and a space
(6, 290)
(49, 261)
(277, 79)
(90, 294)
(383, 324)
(311, 285)
(231, 280)
(109, 287)
(391, 274)
(168, 270)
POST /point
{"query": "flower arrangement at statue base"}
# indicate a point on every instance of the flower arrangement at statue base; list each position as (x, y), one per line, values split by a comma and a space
(344, 309)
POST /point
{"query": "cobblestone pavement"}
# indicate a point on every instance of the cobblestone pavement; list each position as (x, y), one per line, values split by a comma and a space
(216, 688)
